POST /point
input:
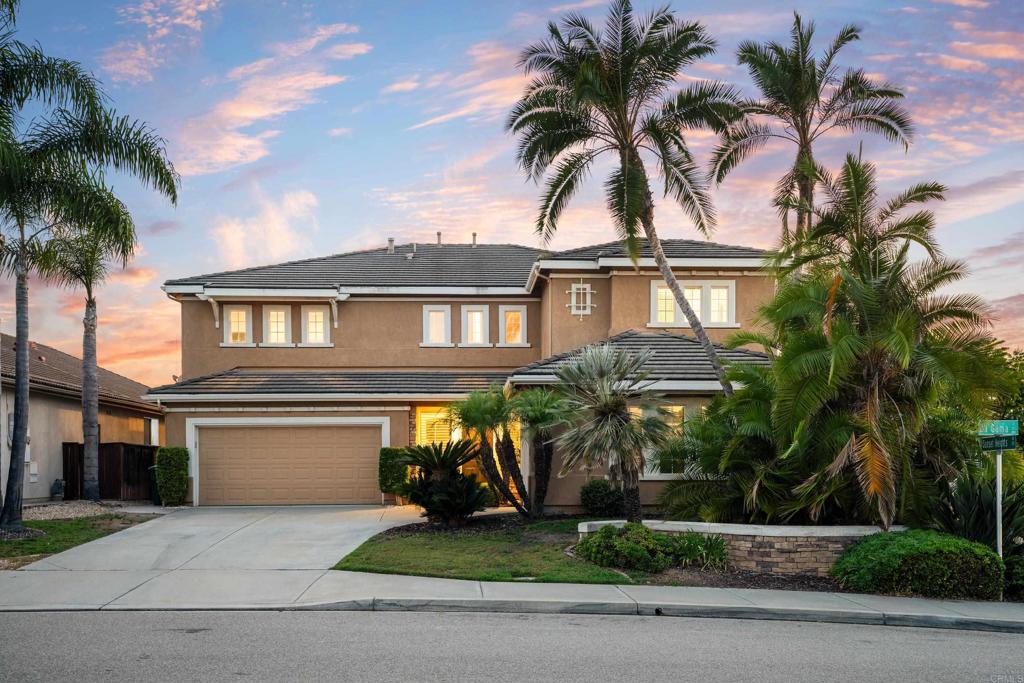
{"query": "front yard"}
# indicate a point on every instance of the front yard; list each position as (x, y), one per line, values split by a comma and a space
(62, 534)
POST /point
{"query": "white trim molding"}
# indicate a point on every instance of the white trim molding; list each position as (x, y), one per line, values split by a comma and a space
(227, 310)
(485, 314)
(288, 409)
(193, 425)
(701, 386)
(433, 308)
(266, 398)
(502, 310)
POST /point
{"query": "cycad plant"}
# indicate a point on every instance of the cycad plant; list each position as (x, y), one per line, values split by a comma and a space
(614, 93)
(802, 98)
(614, 418)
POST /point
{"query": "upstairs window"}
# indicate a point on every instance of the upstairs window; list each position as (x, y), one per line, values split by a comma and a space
(512, 321)
(238, 325)
(437, 325)
(714, 303)
(315, 326)
(277, 326)
(475, 326)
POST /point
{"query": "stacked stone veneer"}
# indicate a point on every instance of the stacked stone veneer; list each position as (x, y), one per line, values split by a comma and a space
(768, 549)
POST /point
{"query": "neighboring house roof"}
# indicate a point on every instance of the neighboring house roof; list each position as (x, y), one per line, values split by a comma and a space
(432, 265)
(673, 248)
(61, 373)
(241, 383)
(675, 359)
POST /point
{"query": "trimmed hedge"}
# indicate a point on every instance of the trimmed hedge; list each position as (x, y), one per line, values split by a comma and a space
(392, 470)
(918, 562)
(172, 474)
(600, 499)
(635, 546)
(1015, 578)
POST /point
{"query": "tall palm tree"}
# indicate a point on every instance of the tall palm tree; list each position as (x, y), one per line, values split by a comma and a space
(801, 100)
(613, 93)
(81, 258)
(50, 177)
(615, 419)
(539, 411)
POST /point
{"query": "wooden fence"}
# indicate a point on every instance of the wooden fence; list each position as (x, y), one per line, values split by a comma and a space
(124, 471)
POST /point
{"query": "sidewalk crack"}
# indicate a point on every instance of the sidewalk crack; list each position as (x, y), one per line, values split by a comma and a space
(311, 584)
(636, 603)
(110, 602)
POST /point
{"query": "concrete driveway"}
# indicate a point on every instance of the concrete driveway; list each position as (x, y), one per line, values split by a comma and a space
(202, 557)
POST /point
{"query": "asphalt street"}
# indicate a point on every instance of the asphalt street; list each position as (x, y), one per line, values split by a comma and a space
(416, 646)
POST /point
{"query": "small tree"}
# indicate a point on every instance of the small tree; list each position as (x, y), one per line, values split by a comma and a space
(539, 412)
(614, 417)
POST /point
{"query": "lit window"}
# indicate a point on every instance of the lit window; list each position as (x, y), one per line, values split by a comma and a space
(693, 297)
(512, 321)
(276, 328)
(474, 326)
(238, 327)
(315, 321)
(277, 325)
(666, 305)
(581, 297)
(237, 323)
(433, 425)
(437, 325)
(719, 305)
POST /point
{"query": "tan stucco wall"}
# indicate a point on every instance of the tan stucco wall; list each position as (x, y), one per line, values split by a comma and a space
(371, 334)
(54, 420)
(569, 331)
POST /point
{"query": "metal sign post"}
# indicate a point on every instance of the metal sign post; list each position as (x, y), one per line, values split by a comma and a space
(996, 435)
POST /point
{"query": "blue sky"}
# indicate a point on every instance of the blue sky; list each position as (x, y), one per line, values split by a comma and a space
(308, 128)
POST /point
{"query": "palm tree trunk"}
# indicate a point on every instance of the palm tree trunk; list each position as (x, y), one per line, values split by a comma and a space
(647, 219)
(494, 479)
(805, 191)
(542, 452)
(10, 517)
(631, 501)
(507, 457)
(90, 404)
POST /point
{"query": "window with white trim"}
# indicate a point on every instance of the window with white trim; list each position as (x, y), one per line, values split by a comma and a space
(713, 301)
(277, 326)
(581, 298)
(437, 325)
(512, 326)
(237, 325)
(664, 468)
(316, 326)
(475, 325)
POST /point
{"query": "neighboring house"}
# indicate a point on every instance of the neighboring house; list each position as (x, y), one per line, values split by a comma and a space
(294, 375)
(55, 413)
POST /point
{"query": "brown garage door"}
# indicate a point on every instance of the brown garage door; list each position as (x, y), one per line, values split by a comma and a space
(288, 465)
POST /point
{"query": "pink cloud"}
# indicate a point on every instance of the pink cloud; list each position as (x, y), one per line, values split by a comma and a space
(969, 4)
(305, 45)
(956, 63)
(344, 51)
(133, 276)
(1009, 315)
(405, 85)
(989, 50)
(279, 230)
(339, 132)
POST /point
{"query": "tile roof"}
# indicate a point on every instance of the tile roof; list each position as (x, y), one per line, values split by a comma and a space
(59, 372)
(674, 357)
(248, 381)
(674, 248)
(453, 265)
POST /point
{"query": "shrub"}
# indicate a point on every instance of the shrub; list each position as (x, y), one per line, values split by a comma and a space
(172, 474)
(635, 546)
(491, 499)
(600, 499)
(1015, 578)
(449, 501)
(919, 562)
(392, 469)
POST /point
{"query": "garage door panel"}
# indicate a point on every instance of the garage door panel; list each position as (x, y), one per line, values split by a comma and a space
(278, 465)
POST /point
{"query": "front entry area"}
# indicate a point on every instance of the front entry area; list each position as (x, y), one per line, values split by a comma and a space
(287, 463)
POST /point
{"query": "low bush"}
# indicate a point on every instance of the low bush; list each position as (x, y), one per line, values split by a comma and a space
(392, 469)
(1014, 589)
(450, 501)
(635, 546)
(172, 474)
(600, 499)
(920, 562)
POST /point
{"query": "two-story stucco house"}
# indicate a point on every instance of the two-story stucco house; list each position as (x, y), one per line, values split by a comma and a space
(295, 375)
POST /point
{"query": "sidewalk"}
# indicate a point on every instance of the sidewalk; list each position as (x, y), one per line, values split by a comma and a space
(335, 590)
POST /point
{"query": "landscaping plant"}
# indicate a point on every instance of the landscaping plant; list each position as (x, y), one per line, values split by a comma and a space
(600, 499)
(446, 495)
(172, 474)
(392, 469)
(539, 411)
(635, 546)
(919, 562)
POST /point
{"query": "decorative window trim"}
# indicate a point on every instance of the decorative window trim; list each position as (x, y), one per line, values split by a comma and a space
(447, 310)
(226, 314)
(575, 306)
(287, 310)
(326, 343)
(705, 303)
(485, 310)
(502, 310)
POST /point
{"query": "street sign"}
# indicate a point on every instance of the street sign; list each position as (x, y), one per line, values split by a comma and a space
(998, 443)
(998, 428)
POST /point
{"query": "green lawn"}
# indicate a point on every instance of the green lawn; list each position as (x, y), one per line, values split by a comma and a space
(535, 551)
(62, 534)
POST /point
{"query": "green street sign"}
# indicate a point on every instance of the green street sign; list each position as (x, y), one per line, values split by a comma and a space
(998, 428)
(998, 443)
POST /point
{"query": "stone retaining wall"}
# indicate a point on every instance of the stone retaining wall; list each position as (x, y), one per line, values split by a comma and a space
(768, 549)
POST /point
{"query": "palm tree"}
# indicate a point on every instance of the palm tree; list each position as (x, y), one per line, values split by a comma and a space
(613, 93)
(80, 258)
(50, 177)
(614, 417)
(539, 411)
(801, 100)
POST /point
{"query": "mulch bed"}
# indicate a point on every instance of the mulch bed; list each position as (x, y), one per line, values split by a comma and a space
(484, 524)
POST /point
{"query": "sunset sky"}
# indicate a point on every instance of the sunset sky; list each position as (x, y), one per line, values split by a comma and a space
(305, 128)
